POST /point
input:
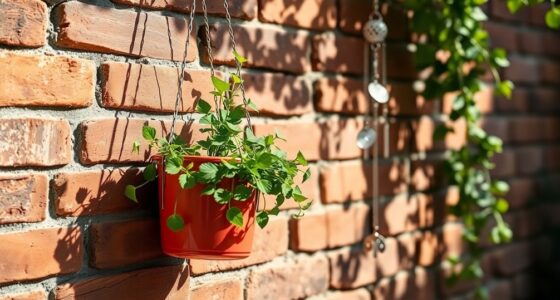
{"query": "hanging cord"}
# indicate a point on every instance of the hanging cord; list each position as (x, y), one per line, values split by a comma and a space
(375, 167)
(237, 65)
(179, 97)
(386, 105)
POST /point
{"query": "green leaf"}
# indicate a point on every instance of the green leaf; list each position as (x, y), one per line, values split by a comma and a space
(241, 192)
(209, 190)
(552, 18)
(301, 159)
(148, 132)
(262, 219)
(136, 147)
(252, 105)
(235, 216)
(150, 172)
(203, 107)
(239, 58)
(222, 196)
(306, 175)
(173, 165)
(220, 85)
(502, 206)
(264, 185)
(478, 15)
(187, 181)
(441, 131)
(505, 88)
(514, 5)
(175, 223)
(207, 172)
(500, 188)
(130, 193)
(499, 57)
(236, 79)
(297, 195)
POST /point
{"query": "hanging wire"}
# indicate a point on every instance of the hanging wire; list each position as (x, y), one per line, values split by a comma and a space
(386, 105)
(179, 97)
(375, 167)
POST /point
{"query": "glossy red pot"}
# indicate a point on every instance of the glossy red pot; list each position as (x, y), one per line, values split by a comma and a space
(207, 233)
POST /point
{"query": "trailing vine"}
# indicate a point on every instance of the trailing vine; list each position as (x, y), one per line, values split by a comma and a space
(455, 50)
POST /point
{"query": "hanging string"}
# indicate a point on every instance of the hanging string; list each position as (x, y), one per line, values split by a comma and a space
(181, 79)
(386, 105)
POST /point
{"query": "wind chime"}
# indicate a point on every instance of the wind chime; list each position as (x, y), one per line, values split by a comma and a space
(375, 79)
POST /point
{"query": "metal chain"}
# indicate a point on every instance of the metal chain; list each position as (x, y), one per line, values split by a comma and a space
(208, 43)
(386, 105)
(237, 64)
(375, 167)
(179, 97)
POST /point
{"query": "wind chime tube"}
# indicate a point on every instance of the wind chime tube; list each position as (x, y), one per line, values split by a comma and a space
(375, 167)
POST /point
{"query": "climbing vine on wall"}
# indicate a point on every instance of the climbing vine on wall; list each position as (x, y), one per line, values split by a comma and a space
(454, 47)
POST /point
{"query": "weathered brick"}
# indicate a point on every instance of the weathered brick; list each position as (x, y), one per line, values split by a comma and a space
(289, 280)
(407, 213)
(243, 9)
(452, 240)
(521, 191)
(529, 160)
(230, 289)
(326, 54)
(357, 294)
(24, 23)
(110, 140)
(309, 233)
(34, 142)
(525, 129)
(503, 35)
(550, 156)
(40, 253)
(484, 101)
(122, 243)
(427, 249)
(499, 10)
(549, 72)
(31, 80)
(424, 129)
(29, 295)
(535, 14)
(505, 164)
(387, 263)
(152, 88)
(501, 289)
(347, 225)
(101, 29)
(278, 94)
(350, 181)
(511, 259)
(98, 192)
(319, 14)
(351, 268)
(426, 174)
(260, 46)
(519, 102)
(23, 198)
(417, 285)
(155, 283)
(496, 126)
(270, 242)
(546, 100)
(523, 70)
(526, 223)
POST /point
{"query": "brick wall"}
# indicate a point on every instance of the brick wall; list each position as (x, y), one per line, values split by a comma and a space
(78, 80)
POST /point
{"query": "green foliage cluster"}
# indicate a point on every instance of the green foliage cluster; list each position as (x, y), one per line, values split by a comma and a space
(256, 162)
(456, 52)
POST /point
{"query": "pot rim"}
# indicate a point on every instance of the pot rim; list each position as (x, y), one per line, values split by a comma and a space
(197, 158)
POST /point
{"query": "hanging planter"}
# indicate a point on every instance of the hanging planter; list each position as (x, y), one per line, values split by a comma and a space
(209, 190)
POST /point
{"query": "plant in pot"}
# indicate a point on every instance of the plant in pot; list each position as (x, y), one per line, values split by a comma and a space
(209, 190)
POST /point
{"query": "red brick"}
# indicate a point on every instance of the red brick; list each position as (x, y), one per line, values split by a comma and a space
(34, 142)
(30, 80)
(452, 240)
(551, 156)
(503, 35)
(527, 129)
(24, 23)
(523, 70)
(262, 47)
(31, 295)
(326, 54)
(505, 164)
(353, 13)
(519, 102)
(428, 246)
(318, 15)
(529, 160)
(351, 268)
(23, 198)
(424, 129)
(521, 191)
(415, 285)
(119, 244)
(511, 259)
(335, 139)
(546, 100)
(357, 294)
(536, 14)
(499, 10)
(116, 147)
(407, 213)
(101, 29)
(526, 223)
(98, 192)
(387, 263)
(230, 289)
(350, 181)
(399, 132)
(501, 289)
(407, 247)
(347, 225)
(550, 42)
(309, 233)
(289, 280)
(40, 253)
(532, 42)
(152, 88)
(484, 101)
(405, 101)
(243, 9)
(496, 126)
(157, 283)
(426, 174)
(279, 94)
(549, 213)
(341, 95)
(270, 242)
(523, 286)
(549, 72)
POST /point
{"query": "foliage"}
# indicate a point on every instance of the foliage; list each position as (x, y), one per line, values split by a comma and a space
(256, 162)
(454, 48)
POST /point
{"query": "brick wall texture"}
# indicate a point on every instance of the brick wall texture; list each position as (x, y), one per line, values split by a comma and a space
(79, 78)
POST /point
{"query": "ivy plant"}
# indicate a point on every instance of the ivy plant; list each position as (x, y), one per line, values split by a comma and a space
(455, 50)
(256, 162)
